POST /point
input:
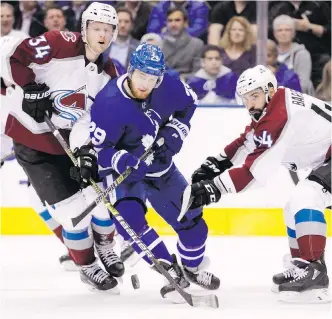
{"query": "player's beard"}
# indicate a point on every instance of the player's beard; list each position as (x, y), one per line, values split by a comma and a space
(257, 114)
(137, 93)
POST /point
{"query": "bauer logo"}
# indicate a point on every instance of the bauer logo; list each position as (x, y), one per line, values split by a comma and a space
(36, 96)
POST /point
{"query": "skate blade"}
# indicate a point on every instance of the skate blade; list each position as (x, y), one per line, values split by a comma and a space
(114, 291)
(314, 296)
(69, 266)
(275, 288)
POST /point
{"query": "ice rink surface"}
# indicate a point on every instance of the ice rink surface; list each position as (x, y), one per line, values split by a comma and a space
(33, 286)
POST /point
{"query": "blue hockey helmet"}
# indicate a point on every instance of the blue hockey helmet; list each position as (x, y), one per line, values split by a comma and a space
(148, 58)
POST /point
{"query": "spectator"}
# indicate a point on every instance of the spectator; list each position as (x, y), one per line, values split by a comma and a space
(73, 13)
(7, 22)
(313, 29)
(54, 19)
(121, 49)
(197, 16)
(224, 11)
(238, 52)
(182, 51)
(29, 18)
(214, 83)
(294, 55)
(324, 88)
(140, 12)
(285, 77)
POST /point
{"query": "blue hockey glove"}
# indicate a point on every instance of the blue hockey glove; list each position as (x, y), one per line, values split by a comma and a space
(174, 134)
(121, 160)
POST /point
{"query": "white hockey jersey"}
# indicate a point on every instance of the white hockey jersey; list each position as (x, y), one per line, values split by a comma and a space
(57, 59)
(295, 131)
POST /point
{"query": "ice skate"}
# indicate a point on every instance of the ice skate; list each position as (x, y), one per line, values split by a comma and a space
(310, 285)
(126, 251)
(97, 279)
(67, 263)
(293, 267)
(168, 291)
(199, 276)
(112, 263)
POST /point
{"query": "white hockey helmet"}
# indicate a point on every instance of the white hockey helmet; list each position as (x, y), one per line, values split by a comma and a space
(100, 12)
(257, 77)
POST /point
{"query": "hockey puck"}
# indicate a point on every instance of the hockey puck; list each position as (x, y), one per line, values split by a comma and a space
(135, 281)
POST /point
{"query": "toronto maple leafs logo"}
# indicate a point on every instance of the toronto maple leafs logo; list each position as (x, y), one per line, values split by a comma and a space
(147, 141)
(155, 119)
(70, 104)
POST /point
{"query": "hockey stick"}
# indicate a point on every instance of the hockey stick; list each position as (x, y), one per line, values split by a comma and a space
(195, 301)
(294, 177)
(117, 182)
(187, 200)
(7, 156)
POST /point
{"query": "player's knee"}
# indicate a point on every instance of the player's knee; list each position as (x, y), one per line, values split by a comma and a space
(196, 225)
(307, 194)
(289, 216)
(322, 176)
(64, 211)
(100, 212)
(133, 211)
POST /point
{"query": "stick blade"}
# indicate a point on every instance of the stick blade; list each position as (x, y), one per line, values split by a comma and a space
(187, 200)
(210, 301)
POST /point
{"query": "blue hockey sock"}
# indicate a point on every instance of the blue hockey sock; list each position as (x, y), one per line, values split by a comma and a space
(155, 244)
(191, 244)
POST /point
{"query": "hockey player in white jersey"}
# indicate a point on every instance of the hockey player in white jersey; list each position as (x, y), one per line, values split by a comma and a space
(291, 129)
(60, 73)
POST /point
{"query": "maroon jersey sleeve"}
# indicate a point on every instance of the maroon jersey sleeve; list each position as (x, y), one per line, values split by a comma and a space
(268, 133)
(41, 50)
(110, 69)
(232, 148)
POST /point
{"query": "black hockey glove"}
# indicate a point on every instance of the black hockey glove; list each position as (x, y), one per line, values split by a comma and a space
(88, 166)
(203, 193)
(36, 101)
(210, 169)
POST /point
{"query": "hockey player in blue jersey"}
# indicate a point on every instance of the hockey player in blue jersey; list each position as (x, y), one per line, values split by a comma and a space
(127, 117)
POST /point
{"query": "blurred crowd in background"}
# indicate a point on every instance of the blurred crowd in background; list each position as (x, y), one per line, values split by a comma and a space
(207, 43)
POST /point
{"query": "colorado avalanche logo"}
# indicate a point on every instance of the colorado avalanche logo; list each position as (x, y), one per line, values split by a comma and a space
(70, 104)
(68, 36)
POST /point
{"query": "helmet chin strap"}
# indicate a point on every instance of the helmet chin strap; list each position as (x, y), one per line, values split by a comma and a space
(88, 45)
(129, 85)
(85, 40)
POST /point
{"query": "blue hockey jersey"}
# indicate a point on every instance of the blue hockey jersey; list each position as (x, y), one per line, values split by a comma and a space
(119, 122)
(218, 90)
